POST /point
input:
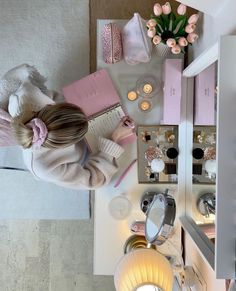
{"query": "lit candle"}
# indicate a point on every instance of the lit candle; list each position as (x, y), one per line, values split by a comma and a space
(132, 95)
(145, 105)
(147, 88)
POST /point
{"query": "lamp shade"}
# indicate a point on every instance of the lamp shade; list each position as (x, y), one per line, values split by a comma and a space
(143, 267)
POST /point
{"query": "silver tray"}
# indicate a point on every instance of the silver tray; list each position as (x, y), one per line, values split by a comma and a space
(162, 137)
(204, 137)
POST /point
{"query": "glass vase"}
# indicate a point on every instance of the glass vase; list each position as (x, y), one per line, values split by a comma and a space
(163, 50)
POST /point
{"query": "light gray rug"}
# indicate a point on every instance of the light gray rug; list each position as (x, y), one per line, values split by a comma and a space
(53, 35)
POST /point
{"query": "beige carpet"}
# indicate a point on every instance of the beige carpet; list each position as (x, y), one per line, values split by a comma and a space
(119, 9)
(53, 36)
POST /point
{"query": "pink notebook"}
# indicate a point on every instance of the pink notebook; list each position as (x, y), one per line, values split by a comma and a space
(94, 93)
(98, 98)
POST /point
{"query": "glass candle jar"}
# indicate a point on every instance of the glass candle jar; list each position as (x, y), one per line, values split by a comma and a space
(132, 95)
(147, 86)
(145, 105)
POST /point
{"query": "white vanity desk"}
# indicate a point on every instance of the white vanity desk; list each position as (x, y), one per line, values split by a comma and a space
(110, 234)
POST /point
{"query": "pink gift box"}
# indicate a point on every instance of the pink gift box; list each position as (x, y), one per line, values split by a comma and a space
(204, 108)
(172, 91)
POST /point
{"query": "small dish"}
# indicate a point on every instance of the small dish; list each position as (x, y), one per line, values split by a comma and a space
(120, 207)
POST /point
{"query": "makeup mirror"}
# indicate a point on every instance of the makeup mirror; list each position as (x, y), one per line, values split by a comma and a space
(160, 217)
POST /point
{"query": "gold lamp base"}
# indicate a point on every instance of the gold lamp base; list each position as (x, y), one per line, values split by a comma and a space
(137, 242)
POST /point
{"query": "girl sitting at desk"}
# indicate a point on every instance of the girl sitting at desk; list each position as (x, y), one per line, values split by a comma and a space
(52, 134)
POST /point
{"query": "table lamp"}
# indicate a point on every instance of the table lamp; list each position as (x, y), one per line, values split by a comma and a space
(143, 270)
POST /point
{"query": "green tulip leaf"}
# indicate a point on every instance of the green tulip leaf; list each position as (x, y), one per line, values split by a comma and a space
(170, 25)
(179, 18)
(165, 20)
(159, 27)
(178, 27)
(172, 17)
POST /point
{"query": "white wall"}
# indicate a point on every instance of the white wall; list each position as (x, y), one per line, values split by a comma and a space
(210, 28)
(210, 7)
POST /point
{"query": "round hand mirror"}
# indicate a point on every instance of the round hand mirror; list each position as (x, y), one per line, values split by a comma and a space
(160, 219)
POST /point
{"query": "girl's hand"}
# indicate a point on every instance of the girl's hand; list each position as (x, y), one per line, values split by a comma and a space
(125, 132)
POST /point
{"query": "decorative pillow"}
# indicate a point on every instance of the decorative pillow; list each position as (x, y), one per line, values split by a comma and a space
(137, 46)
(111, 43)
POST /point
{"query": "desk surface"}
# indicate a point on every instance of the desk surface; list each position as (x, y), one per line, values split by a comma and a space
(110, 234)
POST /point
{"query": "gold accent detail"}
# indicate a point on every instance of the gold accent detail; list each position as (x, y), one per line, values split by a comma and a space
(136, 242)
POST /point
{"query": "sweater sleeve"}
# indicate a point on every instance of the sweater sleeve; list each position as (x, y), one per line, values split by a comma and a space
(96, 172)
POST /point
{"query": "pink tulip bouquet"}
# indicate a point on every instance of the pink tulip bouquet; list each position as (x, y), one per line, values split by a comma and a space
(173, 29)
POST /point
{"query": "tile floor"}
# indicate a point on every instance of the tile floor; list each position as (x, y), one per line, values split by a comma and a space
(49, 255)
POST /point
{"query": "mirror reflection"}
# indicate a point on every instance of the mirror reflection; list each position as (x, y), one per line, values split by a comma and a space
(204, 151)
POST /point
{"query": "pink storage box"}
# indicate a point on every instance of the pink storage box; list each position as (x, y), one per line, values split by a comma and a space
(172, 91)
(205, 97)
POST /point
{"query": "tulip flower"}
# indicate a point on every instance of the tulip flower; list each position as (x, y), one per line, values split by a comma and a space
(156, 39)
(157, 9)
(181, 10)
(166, 8)
(176, 49)
(171, 42)
(192, 37)
(151, 23)
(190, 28)
(151, 32)
(183, 41)
(193, 19)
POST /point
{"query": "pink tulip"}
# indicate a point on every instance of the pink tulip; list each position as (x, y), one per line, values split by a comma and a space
(183, 41)
(192, 37)
(151, 23)
(151, 32)
(181, 10)
(157, 9)
(190, 28)
(176, 49)
(156, 39)
(166, 8)
(171, 42)
(193, 19)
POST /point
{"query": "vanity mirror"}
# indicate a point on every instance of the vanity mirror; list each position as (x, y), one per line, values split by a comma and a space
(210, 166)
(160, 218)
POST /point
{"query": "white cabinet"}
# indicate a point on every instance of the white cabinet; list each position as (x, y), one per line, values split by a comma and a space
(222, 257)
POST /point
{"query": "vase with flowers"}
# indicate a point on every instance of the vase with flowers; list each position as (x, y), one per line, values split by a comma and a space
(172, 32)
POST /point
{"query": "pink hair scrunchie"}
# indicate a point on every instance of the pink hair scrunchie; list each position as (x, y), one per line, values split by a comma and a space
(40, 132)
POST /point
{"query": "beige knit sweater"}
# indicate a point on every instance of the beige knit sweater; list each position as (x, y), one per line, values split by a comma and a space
(68, 167)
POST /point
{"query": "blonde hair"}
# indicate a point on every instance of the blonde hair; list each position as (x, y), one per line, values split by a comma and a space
(65, 122)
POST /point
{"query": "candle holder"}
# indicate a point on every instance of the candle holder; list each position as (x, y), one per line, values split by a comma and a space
(147, 86)
(145, 105)
(132, 95)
